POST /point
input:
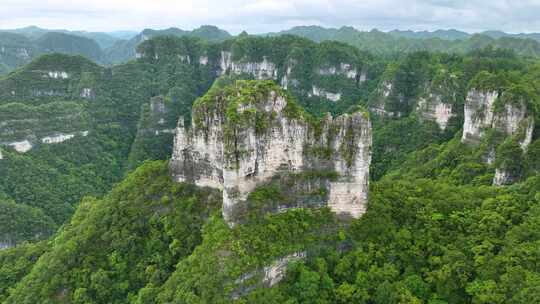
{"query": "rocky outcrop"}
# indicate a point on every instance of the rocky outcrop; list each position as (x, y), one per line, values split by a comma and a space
(58, 74)
(432, 108)
(316, 91)
(22, 146)
(28, 144)
(503, 113)
(482, 114)
(296, 66)
(268, 276)
(345, 69)
(386, 101)
(478, 115)
(260, 70)
(275, 272)
(247, 133)
(24, 127)
(435, 102)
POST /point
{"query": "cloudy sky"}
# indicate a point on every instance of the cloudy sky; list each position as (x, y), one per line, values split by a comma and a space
(256, 16)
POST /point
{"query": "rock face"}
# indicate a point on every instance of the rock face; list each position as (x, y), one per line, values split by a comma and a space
(322, 93)
(387, 101)
(260, 70)
(306, 68)
(503, 113)
(478, 115)
(247, 133)
(432, 108)
(431, 104)
(481, 115)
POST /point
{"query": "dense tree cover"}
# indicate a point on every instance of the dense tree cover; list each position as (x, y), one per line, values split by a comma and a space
(54, 42)
(391, 44)
(419, 75)
(151, 223)
(15, 263)
(421, 241)
(123, 127)
(435, 232)
(20, 222)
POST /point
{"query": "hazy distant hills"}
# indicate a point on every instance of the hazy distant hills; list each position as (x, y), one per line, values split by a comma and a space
(20, 46)
(124, 50)
(397, 42)
(104, 40)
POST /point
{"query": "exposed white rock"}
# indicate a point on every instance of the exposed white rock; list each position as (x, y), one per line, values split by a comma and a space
(527, 139)
(225, 62)
(58, 74)
(22, 53)
(203, 60)
(184, 58)
(57, 138)
(21, 146)
(260, 70)
(1, 155)
(315, 91)
(490, 157)
(199, 155)
(286, 79)
(478, 114)
(200, 148)
(345, 69)
(387, 88)
(363, 77)
(503, 177)
(87, 93)
(276, 271)
(268, 276)
(432, 108)
(164, 131)
(513, 118)
(84, 133)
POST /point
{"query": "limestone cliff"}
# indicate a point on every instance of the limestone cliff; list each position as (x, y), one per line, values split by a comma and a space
(244, 135)
(435, 100)
(308, 69)
(507, 117)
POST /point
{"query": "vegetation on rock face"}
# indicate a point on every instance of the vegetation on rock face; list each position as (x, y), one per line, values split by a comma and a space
(422, 240)
(151, 222)
(435, 230)
(389, 44)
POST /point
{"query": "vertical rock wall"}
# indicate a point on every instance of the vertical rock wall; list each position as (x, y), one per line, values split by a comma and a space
(238, 142)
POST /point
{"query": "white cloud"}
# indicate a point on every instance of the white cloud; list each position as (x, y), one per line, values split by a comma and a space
(272, 15)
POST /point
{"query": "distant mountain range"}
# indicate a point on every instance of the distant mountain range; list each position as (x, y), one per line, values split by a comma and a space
(397, 42)
(20, 46)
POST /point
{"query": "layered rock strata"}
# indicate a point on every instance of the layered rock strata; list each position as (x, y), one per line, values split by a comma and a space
(245, 134)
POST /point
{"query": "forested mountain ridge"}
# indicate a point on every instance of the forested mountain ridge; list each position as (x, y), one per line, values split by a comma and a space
(396, 42)
(441, 225)
(19, 47)
(22, 45)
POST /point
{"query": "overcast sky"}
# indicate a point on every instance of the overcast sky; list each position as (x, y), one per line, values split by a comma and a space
(256, 16)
